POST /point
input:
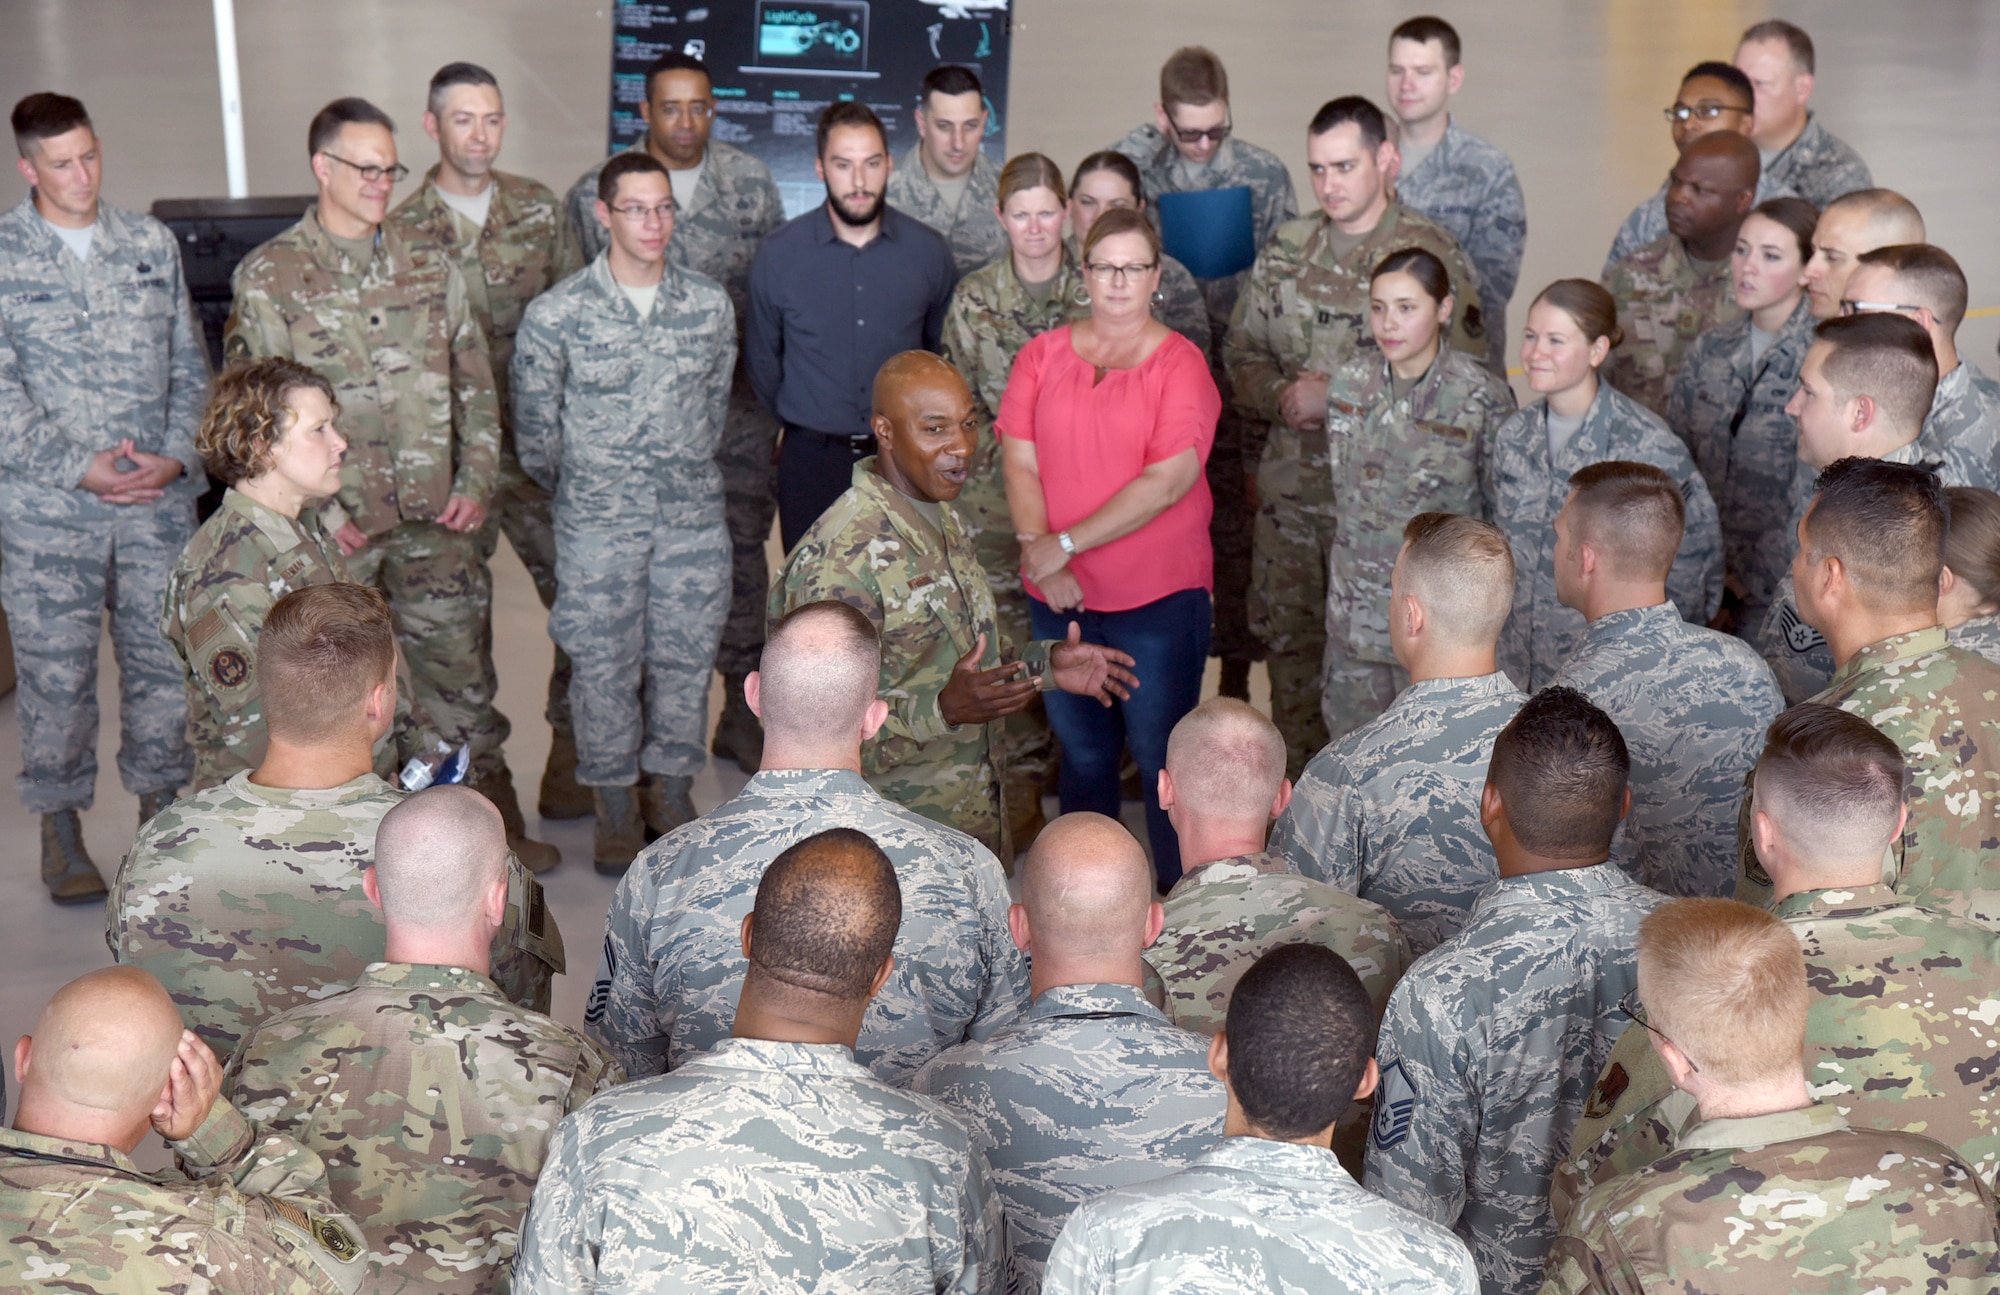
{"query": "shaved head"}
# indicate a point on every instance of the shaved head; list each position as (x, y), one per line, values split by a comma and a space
(1736, 157)
(1087, 888)
(1227, 760)
(105, 1043)
(819, 671)
(437, 854)
(907, 372)
(1887, 216)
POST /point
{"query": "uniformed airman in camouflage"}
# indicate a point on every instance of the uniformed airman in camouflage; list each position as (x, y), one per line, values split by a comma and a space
(429, 1095)
(1580, 420)
(1268, 1208)
(666, 988)
(1494, 1037)
(246, 898)
(895, 548)
(1223, 784)
(946, 180)
(389, 322)
(727, 203)
(621, 388)
(775, 1160)
(1766, 1189)
(102, 377)
(1802, 155)
(107, 1063)
(1453, 176)
(1390, 812)
(512, 243)
(1969, 590)
(1691, 703)
(1094, 1088)
(1680, 285)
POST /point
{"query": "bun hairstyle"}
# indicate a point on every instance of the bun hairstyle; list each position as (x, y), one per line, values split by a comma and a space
(1421, 265)
(1589, 305)
(1796, 215)
(1026, 171)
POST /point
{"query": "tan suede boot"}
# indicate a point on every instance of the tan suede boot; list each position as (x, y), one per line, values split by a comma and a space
(621, 831)
(67, 869)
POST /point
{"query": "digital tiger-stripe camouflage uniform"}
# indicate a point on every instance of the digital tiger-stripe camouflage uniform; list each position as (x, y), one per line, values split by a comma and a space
(619, 416)
(734, 207)
(93, 351)
(1093, 1089)
(397, 338)
(249, 1211)
(524, 249)
(431, 1098)
(1304, 306)
(1468, 185)
(971, 225)
(673, 962)
(246, 901)
(762, 1166)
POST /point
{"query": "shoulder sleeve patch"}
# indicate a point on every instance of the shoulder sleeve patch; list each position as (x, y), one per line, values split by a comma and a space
(1395, 1107)
(229, 669)
(1604, 1097)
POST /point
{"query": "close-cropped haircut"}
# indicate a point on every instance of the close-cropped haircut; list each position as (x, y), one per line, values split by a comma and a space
(1795, 39)
(322, 650)
(45, 115)
(437, 855)
(949, 79)
(1425, 29)
(1886, 523)
(820, 668)
(1885, 357)
(1110, 159)
(846, 112)
(1972, 540)
(1890, 216)
(826, 915)
(1300, 1032)
(1122, 220)
(328, 122)
(1560, 767)
(1365, 116)
(1194, 76)
(1461, 569)
(627, 163)
(675, 61)
(1796, 215)
(1926, 275)
(1726, 983)
(248, 414)
(1227, 760)
(1728, 73)
(1632, 513)
(1026, 171)
(455, 74)
(1832, 784)
(1421, 264)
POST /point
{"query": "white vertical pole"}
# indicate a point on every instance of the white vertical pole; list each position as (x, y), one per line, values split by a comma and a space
(232, 97)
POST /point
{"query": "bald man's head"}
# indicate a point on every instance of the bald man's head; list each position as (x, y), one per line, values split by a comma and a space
(1736, 157)
(1087, 889)
(437, 854)
(1712, 187)
(819, 671)
(1227, 761)
(104, 1044)
(904, 374)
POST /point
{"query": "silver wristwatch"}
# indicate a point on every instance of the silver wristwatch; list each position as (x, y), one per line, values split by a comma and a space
(1068, 544)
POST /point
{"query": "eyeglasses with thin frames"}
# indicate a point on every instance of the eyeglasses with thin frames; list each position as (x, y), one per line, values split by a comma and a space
(396, 172)
(1119, 274)
(637, 212)
(1632, 1007)
(1703, 111)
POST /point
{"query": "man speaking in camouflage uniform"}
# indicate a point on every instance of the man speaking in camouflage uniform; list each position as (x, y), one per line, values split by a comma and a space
(946, 180)
(621, 383)
(775, 1161)
(894, 547)
(511, 243)
(1767, 1189)
(102, 376)
(727, 204)
(438, 1173)
(390, 323)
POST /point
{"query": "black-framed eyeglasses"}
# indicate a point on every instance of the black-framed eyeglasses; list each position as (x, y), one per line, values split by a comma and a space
(635, 211)
(1119, 273)
(1632, 1007)
(396, 172)
(1702, 111)
(1215, 134)
(1849, 306)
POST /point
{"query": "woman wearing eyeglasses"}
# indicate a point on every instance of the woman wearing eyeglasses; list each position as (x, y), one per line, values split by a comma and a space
(1728, 403)
(1106, 426)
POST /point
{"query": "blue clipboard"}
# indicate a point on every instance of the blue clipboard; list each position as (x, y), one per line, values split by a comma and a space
(1210, 232)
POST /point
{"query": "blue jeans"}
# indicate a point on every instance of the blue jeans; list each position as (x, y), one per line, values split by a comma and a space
(1168, 640)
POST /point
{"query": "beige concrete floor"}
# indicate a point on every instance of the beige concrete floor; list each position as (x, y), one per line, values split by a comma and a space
(1571, 88)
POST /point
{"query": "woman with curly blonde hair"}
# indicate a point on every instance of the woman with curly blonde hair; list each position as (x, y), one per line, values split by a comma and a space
(269, 433)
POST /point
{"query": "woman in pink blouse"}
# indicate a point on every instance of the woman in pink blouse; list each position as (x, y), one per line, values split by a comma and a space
(1106, 425)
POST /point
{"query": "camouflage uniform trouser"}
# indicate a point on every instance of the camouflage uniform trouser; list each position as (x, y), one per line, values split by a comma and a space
(745, 457)
(62, 567)
(639, 608)
(441, 593)
(1024, 744)
(1288, 612)
(523, 510)
(1353, 692)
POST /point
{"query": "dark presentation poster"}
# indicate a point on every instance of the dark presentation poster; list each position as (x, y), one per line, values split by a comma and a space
(777, 63)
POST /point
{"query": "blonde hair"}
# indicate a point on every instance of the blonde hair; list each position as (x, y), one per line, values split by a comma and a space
(247, 415)
(1227, 760)
(1727, 984)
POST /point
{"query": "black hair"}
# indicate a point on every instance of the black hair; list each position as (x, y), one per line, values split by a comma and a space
(631, 162)
(674, 61)
(1727, 73)
(1300, 1031)
(1561, 767)
(1351, 108)
(826, 915)
(950, 79)
(847, 112)
(45, 115)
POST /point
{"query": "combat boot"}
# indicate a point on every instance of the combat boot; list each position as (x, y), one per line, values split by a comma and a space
(667, 801)
(620, 832)
(738, 733)
(562, 796)
(67, 869)
(535, 856)
(152, 802)
(1235, 678)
